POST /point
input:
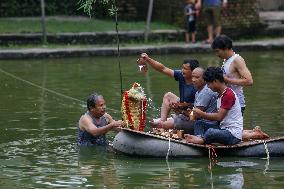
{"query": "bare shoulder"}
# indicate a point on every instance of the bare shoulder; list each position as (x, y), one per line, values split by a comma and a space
(84, 120)
(239, 61)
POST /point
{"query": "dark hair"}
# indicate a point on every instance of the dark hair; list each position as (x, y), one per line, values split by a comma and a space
(193, 63)
(92, 99)
(213, 73)
(222, 42)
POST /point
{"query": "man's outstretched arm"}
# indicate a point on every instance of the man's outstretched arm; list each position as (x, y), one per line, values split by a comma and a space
(157, 65)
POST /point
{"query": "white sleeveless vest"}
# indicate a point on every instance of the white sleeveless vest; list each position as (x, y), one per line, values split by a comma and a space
(236, 88)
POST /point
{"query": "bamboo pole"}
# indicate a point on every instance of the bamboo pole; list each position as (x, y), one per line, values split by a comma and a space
(43, 25)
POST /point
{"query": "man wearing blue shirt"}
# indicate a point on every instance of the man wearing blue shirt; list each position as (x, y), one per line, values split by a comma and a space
(184, 77)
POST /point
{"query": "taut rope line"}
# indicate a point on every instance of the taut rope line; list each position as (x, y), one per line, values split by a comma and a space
(46, 89)
(40, 87)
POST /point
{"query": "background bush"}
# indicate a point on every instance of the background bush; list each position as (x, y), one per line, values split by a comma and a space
(21, 8)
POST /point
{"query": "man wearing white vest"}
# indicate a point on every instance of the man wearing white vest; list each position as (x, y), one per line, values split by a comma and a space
(236, 73)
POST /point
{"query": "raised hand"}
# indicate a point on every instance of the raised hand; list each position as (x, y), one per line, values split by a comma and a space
(142, 63)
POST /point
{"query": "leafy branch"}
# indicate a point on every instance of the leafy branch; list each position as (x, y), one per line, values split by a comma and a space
(87, 6)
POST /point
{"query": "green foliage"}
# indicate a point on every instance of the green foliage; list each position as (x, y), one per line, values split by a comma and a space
(16, 8)
(87, 5)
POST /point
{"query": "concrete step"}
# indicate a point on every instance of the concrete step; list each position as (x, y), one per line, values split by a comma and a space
(273, 18)
(170, 48)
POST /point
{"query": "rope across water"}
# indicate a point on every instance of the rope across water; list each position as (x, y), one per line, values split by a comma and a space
(46, 89)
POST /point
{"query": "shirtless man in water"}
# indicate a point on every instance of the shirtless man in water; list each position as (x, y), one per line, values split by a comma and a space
(95, 123)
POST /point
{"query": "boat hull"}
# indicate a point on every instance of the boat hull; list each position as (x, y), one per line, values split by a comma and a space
(275, 148)
(137, 143)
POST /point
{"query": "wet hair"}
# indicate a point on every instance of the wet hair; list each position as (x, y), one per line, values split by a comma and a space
(213, 73)
(193, 63)
(222, 42)
(92, 99)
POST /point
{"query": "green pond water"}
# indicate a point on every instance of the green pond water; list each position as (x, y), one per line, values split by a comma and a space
(42, 100)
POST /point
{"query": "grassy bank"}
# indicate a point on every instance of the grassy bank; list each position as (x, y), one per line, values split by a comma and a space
(72, 24)
(53, 46)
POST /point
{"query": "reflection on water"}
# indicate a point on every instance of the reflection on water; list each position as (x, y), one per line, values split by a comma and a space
(38, 126)
(237, 164)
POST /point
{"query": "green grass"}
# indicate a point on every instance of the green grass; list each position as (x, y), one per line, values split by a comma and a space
(53, 46)
(76, 25)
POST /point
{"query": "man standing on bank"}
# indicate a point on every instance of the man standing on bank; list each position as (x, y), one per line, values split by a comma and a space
(211, 10)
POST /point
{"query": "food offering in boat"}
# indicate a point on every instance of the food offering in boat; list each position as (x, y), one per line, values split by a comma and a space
(171, 133)
(133, 108)
(183, 108)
